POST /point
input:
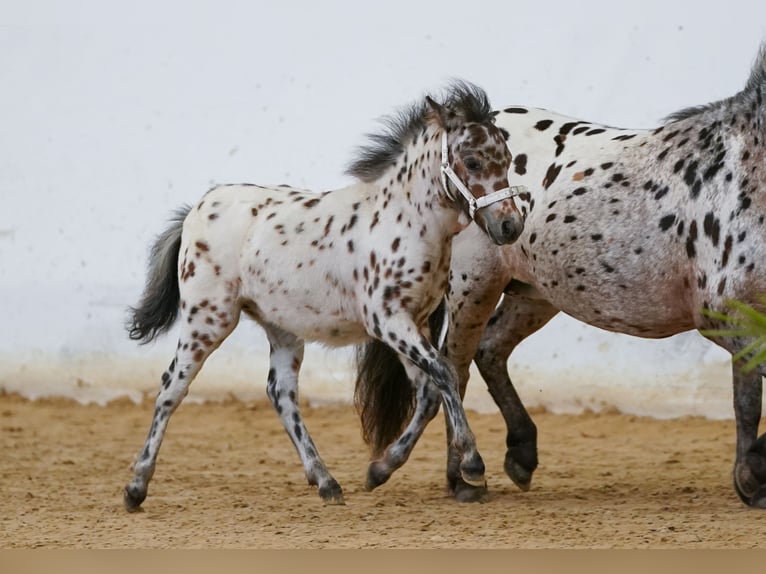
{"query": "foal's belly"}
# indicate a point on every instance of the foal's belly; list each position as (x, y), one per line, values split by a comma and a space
(329, 319)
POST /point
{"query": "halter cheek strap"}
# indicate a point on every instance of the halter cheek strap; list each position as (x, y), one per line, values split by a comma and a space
(473, 204)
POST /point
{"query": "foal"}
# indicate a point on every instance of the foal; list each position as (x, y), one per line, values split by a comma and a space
(367, 261)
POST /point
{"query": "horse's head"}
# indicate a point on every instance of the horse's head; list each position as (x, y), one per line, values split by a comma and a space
(475, 164)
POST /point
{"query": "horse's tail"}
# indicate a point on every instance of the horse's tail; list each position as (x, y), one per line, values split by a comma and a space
(158, 308)
(383, 394)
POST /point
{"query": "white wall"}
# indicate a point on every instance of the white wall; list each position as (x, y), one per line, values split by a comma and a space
(115, 115)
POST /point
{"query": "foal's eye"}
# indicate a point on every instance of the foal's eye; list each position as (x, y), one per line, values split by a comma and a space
(471, 163)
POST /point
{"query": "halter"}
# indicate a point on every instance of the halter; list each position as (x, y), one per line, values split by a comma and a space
(474, 204)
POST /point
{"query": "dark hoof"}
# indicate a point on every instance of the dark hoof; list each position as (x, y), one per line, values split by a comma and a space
(377, 474)
(750, 475)
(332, 493)
(520, 475)
(133, 497)
(753, 497)
(464, 492)
(472, 471)
(521, 462)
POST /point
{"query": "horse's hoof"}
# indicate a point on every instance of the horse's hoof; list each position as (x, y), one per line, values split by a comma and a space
(750, 475)
(332, 494)
(133, 497)
(521, 462)
(520, 476)
(464, 492)
(472, 471)
(377, 474)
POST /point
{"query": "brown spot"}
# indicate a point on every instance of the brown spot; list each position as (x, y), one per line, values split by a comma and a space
(202, 246)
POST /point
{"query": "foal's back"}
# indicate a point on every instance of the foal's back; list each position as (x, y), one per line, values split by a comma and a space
(286, 253)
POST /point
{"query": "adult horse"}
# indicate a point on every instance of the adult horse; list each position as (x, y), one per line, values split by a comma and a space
(632, 231)
(367, 261)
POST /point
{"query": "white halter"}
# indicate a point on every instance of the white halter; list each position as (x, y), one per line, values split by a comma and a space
(473, 204)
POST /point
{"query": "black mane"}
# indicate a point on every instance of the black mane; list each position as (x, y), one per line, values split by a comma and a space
(755, 87)
(465, 100)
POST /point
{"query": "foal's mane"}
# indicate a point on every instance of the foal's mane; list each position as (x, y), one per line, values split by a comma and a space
(463, 99)
(756, 85)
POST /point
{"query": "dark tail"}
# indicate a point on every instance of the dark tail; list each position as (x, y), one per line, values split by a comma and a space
(383, 394)
(158, 308)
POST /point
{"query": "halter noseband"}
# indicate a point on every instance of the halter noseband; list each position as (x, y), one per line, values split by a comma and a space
(474, 204)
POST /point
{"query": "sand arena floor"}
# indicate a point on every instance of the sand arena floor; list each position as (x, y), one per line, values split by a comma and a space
(228, 477)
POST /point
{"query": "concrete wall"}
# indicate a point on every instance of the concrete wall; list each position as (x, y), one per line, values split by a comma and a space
(114, 114)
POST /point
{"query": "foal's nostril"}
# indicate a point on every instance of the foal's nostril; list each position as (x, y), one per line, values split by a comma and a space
(508, 230)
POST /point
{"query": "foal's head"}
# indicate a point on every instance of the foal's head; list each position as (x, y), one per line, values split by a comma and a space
(479, 159)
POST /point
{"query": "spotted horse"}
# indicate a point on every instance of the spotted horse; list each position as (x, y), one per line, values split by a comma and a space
(632, 231)
(367, 261)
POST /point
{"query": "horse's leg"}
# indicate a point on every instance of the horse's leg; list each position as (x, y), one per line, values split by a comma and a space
(427, 401)
(472, 299)
(203, 328)
(415, 350)
(750, 465)
(514, 320)
(282, 388)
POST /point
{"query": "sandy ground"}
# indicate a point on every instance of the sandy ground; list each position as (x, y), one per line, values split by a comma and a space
(229, 477)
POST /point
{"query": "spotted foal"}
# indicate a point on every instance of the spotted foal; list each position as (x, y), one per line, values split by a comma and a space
(367, 261)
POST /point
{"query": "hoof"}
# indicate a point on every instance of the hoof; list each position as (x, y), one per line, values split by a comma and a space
(521, 462)
(464, 492)
(750, 475)
(377, 474)
(519, 475)
(472, 471)
(133, 497)
(332, 494)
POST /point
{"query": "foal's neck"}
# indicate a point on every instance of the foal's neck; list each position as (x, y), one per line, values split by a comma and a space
(413, 183)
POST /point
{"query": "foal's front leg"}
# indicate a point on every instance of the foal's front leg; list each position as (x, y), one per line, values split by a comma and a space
(427, 401)
(282, 388)
(423, 362)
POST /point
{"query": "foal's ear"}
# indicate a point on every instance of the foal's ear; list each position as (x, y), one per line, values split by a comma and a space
(439, 113)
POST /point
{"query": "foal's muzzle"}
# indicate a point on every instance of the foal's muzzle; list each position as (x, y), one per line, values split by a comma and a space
(502, 228)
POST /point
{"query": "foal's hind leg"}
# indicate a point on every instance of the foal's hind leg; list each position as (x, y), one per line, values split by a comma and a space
(750, 465)
(282, 388)
(203, 328)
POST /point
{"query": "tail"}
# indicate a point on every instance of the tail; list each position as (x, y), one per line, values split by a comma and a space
(383, 395)
(158, 308)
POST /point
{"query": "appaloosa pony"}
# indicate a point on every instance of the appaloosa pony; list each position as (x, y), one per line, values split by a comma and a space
(632, 231)
(367, 261)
